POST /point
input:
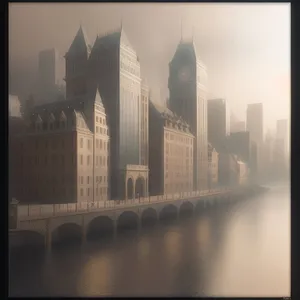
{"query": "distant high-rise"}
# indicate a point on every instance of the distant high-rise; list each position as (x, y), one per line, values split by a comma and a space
(50, 76)
(255, 122)
(14, 106)
(255, 128)
(239, 126)
(282, 134)
(218, 122)
(239, 144)
(188, 99)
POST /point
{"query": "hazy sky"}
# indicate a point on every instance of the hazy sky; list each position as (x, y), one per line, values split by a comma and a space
(246, 47)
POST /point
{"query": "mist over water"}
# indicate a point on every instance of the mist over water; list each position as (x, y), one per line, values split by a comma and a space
(230, 250)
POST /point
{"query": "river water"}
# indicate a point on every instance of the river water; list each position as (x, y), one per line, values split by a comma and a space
(240, 249)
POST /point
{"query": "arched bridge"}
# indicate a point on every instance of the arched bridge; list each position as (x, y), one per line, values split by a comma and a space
(53, 222)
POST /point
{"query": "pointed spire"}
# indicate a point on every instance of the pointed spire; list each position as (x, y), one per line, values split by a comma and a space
(80, 42)
(98, 96)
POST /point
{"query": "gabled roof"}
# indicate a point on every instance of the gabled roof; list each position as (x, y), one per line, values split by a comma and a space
(114, 38)
(80, 43)
(56, 109)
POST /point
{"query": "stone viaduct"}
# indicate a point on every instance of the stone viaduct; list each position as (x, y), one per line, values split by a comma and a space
(54, 227)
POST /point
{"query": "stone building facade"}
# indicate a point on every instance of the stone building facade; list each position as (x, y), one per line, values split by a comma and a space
(171, 146)
(213, 167)
(64, 154)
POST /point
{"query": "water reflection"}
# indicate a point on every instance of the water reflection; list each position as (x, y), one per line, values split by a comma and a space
(95, 277)
(240, 249)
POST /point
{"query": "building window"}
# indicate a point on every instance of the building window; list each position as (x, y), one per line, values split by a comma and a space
(97, 129)
(81, 179)
(100, 179)
(88, 179)
(97, 120)
(88, 191)
(97, 143)
(100, 160)
(89, 144)
(81, 142)
(88, 160)
(100, 144)
(81, 159)
(81, 192)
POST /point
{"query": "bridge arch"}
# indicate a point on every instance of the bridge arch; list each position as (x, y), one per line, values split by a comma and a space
(100, 226)
(130, 188)
(168, 212)
(127, 220)
(140, 187)
(149, 216)
(67, 232)
(186, 209)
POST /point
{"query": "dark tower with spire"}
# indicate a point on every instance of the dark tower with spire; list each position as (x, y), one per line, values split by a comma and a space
(76, 65)
(187, 87)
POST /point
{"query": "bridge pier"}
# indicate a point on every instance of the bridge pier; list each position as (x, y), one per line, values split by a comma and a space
(115, 230)
(83, 231)
(139, 225)
(48, 237)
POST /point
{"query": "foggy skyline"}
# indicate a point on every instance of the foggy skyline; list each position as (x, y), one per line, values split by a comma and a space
(246, 47)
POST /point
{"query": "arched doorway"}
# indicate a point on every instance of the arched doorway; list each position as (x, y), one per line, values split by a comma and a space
(140, 187)
(129, 188)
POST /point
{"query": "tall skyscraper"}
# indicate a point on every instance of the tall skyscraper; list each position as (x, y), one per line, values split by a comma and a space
(112, 65)
(50, 76)
(188, 99)
(218, 119)
(144, 110)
